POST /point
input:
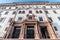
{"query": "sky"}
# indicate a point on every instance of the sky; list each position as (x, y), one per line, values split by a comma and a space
(11, 1)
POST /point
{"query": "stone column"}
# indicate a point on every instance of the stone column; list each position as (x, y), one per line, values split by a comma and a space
(36, 31)
(51, 32)
(22, 32)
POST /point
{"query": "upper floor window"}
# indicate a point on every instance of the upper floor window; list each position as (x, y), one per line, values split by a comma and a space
(40, 18)
(9, 7)
(46, 12)
(37, 12)
(6, 28)
(55, 28)
(44, 7)
(30, 17)
(59, 18)
(14, 12)
(21, 12)
(19, 18)
(2, 19)
(51, 6)
(40, 11)
(50, 18)
(30, 11)
(54, 11)
(6, 13)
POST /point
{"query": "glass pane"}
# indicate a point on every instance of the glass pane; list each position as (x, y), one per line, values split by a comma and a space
(16, 32)
(30, 32)
(44, 32)
(40, 18)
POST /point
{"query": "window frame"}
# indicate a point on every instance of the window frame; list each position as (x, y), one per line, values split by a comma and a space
(41, 19)
(19, 18)
(58, 18)
(6, 13)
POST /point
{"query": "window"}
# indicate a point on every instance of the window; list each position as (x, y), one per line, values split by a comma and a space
(19, 11)
(40, 11)
(44, 32)
(29, 32)
(59, 18)
(49, 18)
(30, 17)
(51, 6)
(54, 11)
(40, 18)
(55, 28)
(9, 7)
(14, 12)
(30, 11)
(19, 18)
(2, 19)
(6, 28)
(23, 11)
(6, 13)
(44, 7)
(16, 32)
(37, 12)
(46, 12)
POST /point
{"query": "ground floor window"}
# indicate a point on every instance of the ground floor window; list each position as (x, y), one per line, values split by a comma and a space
(16, 32)
(44, 32)
(29, 32)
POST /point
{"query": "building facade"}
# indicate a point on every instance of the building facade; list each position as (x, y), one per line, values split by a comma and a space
(34, 20)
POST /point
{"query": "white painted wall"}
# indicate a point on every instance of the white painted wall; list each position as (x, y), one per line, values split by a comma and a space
(5, 23)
